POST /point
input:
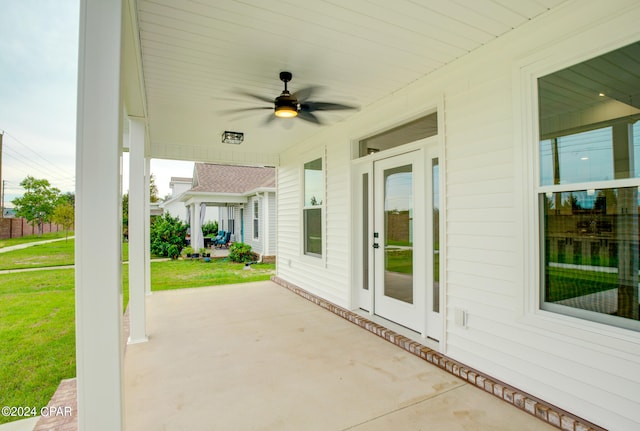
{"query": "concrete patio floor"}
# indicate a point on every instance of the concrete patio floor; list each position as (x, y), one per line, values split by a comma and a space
(259, 357)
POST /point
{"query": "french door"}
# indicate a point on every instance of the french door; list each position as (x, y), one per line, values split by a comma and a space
(398, 239)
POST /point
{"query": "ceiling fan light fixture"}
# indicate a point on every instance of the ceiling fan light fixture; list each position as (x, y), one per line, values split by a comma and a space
(286, 111)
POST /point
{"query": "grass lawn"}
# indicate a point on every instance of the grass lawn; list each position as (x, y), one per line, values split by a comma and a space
(57, 253)
(37, 335)
(399, 260)
(31, 238)
(180, 274)
(51, 254)
(37, 329)
(565, 283)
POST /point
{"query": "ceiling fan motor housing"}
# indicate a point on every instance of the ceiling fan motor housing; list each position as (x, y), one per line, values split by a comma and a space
(286, 105)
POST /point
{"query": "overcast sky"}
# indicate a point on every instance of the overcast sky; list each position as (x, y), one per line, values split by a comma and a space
(38, 88)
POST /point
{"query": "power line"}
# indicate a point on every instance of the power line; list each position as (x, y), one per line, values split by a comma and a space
(61, 172)
(29, 165)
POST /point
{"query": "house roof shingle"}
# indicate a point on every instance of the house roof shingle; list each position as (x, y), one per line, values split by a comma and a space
(210, 177)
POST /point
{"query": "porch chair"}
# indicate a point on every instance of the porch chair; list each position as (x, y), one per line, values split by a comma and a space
(218, 237)
(224, 241)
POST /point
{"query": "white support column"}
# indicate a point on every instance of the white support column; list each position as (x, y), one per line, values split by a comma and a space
(147, 227)
(138, 192)
(98, 276)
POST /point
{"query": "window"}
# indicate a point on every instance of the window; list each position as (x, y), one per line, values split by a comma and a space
(312, 207)
(256, 220)
(231, 218)
(588, 189)
(418, 129)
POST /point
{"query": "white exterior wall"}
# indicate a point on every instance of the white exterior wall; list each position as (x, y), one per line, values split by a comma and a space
(273, 224)
(267, 213)
(176, 208)
(588, 369)
(255, 243)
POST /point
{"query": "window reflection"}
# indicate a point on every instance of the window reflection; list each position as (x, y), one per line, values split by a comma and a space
(398, 233)
(591, 251)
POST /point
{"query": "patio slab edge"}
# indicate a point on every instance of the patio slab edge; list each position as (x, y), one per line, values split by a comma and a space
(542, 410)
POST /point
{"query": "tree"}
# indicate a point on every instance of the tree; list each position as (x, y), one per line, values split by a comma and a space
(38, 202)
(167, 236)
(64, 214)
(153, 189)
(68, 197)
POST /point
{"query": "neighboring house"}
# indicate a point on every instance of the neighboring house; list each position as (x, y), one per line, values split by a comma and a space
(173, 205)
(485, 196)
(155, 208)
(245, 197)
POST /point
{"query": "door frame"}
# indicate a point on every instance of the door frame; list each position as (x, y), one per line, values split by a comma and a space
(362, 300)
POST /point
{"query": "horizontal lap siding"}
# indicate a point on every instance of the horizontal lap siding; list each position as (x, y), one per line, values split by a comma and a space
(273, 228)
(328, 278)
(484, 263)
(564, 361)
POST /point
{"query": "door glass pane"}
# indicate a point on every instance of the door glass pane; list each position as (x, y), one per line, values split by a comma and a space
(435, 204)
(398, 233)
(365, 231)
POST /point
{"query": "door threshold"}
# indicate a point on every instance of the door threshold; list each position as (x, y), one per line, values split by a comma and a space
(399, 329)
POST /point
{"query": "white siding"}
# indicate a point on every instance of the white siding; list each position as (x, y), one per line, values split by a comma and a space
(592, 371)
(255, 243)
(273, 223)
(176, 209)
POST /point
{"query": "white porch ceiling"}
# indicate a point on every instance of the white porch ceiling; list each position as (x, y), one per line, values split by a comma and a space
(195, 54)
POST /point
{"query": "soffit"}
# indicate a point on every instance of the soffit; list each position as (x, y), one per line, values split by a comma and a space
(196, 55)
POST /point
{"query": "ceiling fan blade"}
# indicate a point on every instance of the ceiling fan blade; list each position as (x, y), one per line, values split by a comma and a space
(324, 106)
(254, 96)
(308, 116)
(234, 111)
(305, 93)
(269, 119)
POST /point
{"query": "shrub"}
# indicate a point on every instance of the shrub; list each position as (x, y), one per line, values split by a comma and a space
(173, 251)
(167, 231)
(241, 252)
(210, 228)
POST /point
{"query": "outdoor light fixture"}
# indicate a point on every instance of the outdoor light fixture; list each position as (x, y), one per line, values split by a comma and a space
(286, 111)
(235, 138)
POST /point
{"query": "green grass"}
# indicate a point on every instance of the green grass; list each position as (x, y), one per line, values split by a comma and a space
(31, 238)
(38, 336)
(180, 274)
(37, 324)
(399, 260)
(57, 253)
(51, 254)
(565, 283)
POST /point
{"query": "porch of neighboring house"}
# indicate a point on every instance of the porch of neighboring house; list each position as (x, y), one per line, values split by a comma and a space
(266, 355)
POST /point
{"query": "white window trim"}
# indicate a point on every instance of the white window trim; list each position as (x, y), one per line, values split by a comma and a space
(256, 216)
(569, 52)
(313, 258)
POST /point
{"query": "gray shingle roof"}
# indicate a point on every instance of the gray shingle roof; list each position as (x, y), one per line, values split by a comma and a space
(215, 178)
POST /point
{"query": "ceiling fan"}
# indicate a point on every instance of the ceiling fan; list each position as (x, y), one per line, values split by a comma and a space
(290, 105)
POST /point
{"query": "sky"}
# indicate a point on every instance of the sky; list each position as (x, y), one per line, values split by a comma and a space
(38, 92)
